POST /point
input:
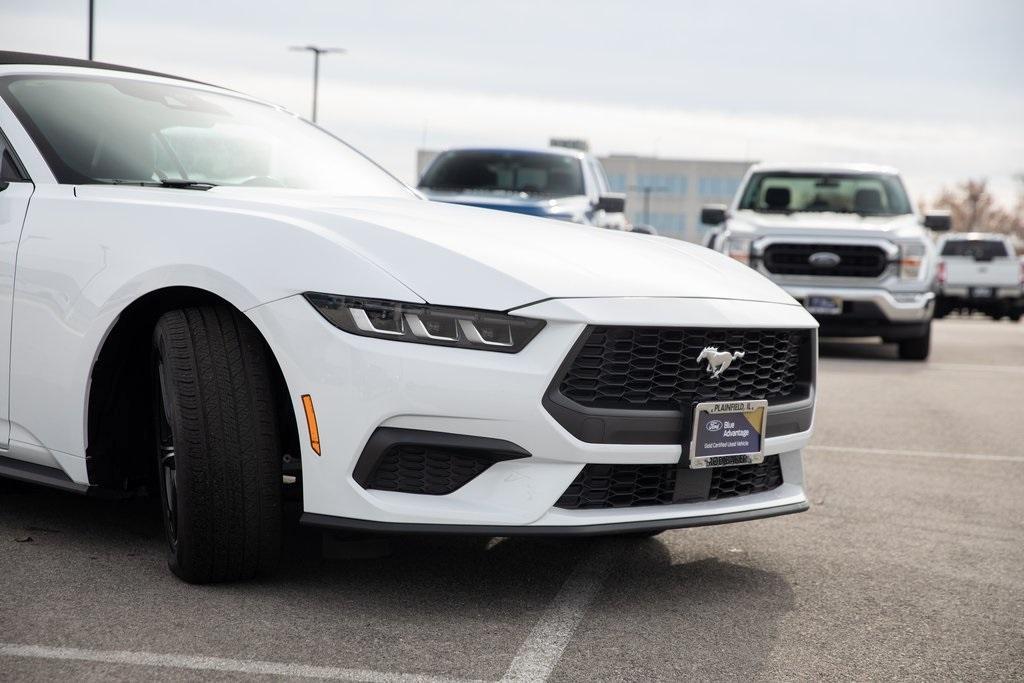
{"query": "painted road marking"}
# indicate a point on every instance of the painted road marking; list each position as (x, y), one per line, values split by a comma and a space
(893, 365)
(918, 454)
(537, 657)
(202, 663)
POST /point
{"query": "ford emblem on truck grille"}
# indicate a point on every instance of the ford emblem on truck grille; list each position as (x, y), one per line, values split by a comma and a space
(824, 259)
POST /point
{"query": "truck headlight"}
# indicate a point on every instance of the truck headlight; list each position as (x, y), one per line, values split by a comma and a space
(739, 248)
(912, 260)
(424, 324)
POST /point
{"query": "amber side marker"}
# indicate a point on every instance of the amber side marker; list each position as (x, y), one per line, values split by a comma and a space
(314, 433)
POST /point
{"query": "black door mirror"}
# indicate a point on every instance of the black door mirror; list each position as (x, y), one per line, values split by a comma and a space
(714, 214)
(611, 203)
(938, 221)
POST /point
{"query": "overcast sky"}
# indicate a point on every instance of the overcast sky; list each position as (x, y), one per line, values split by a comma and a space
(935, 87)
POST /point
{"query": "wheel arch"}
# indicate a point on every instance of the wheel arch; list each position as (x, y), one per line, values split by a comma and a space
(117, 407)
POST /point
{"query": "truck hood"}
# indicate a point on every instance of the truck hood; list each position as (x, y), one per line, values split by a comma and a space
(826, 225)
(463, 256)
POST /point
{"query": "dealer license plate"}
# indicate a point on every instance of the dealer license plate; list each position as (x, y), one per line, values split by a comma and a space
(728, 433)
(823, 305)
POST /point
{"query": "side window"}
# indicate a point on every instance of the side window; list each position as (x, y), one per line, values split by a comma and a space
(10, 169)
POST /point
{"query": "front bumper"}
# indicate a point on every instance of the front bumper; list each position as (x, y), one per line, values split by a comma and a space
(901, 307)
(360, 384)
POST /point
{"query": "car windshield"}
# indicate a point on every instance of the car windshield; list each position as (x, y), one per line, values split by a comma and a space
(118, 130)
(529, 173)
(978, 249)
(859, 193)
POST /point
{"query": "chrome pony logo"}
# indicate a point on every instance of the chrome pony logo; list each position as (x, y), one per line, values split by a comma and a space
(718, 361)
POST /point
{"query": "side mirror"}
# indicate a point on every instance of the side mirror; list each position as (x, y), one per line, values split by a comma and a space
(611, 203)
(4, 185)
(714, 214)
(939, 221)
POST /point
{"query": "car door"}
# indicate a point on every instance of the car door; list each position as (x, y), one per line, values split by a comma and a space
(15, 192)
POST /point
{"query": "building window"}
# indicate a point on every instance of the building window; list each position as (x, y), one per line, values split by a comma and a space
(718, 188)
(617, 182)
(662, 184)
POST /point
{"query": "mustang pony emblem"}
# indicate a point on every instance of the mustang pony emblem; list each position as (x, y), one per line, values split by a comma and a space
(718, 361)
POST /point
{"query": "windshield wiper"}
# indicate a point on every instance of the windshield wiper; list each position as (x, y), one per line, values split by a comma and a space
(167, 182)
(186, 184)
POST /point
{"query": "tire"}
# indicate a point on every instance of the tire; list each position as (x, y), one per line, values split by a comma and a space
(1015, 317)
(916, 348)
(218, 446)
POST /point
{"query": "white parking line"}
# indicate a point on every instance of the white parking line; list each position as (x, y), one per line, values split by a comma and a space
(918, 454)
(537, 657)
(891, 365)
(976, 367)
(201, 663)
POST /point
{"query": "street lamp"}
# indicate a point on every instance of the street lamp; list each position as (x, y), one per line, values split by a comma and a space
(92, 15)
(647, 190)
(317, 51)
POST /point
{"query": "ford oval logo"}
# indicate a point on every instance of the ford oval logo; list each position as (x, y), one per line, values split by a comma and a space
(824, 259)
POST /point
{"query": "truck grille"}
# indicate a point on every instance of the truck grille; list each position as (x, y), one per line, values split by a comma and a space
(656, 368)
(624, 486)
(854, 260)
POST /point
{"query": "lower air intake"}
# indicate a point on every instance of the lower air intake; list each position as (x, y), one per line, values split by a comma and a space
(623, 486)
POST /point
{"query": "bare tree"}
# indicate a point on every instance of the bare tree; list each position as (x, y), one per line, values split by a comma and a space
(972, 207)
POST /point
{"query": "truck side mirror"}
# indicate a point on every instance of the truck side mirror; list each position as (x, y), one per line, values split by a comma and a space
(611, 203)
(938, 221)
(714, 214)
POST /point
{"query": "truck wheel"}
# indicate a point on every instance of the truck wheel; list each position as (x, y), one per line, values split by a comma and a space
(916, 348)
(1015, 316)
(218, 447)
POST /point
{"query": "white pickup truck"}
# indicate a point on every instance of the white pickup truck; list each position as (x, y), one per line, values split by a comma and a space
(980, 272)
(844, 240)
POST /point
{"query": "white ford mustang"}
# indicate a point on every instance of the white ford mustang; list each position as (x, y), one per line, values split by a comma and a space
(205, 295)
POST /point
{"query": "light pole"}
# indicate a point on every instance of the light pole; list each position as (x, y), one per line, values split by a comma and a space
(92, 15)
(317, 51)
(647, 190)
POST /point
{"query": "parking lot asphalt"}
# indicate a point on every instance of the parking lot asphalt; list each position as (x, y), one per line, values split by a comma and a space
(910, 564)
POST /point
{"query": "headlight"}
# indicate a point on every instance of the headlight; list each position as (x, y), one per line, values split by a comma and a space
(739, 248)
(912, 260)
(423, 324)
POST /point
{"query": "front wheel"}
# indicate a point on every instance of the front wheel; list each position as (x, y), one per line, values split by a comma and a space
(917, 348)
(218, 447)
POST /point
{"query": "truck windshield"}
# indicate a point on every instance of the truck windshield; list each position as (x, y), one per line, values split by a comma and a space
(979, 250)
(530, 173)
(859, 193)
(96, 129)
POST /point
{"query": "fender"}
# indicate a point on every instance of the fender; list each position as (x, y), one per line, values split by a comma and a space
(81, 263)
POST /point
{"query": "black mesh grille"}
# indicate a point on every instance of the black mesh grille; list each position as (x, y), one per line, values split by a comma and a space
(656, 368)
(426, 469)
(623, 486)
(854, 260)
(742, 480)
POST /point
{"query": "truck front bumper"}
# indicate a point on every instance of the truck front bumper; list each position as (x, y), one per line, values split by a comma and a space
(871, 311)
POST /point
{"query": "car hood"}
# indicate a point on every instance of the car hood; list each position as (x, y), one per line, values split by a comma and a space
(463, 256)
(825, 224)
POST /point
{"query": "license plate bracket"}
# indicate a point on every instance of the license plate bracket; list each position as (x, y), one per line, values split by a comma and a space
(818, 304)
(728, 433)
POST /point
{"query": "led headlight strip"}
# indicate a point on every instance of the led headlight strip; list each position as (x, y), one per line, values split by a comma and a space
(424, 324)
